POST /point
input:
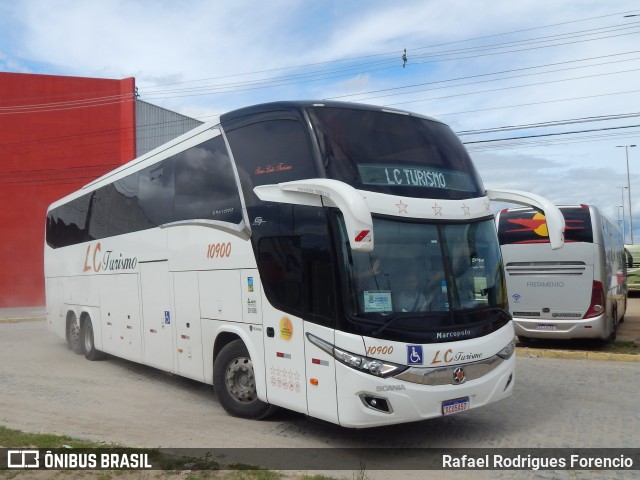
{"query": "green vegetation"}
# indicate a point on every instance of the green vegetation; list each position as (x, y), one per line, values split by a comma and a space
(628, 348)
(15, 439)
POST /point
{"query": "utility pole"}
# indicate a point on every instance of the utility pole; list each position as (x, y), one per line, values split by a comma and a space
(624, 229)
(626, 149)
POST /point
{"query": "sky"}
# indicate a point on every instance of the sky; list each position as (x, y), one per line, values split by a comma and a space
(544, 93)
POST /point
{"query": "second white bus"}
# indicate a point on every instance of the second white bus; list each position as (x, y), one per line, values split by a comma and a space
(576, 292)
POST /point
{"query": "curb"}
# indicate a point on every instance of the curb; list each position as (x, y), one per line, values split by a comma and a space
(575, 355)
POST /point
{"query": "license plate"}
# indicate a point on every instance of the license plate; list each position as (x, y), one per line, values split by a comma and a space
(457, 405)
(547, 326)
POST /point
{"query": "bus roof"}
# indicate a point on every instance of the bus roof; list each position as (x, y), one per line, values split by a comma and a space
(300, 105)
(165, 150)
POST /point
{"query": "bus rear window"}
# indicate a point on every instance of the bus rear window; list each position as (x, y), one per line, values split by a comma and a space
(528, 226)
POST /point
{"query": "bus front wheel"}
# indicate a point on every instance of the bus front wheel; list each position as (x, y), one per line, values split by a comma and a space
(235, 384)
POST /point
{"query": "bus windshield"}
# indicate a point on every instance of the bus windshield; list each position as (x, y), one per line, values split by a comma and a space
(393, 153)
(427, 278)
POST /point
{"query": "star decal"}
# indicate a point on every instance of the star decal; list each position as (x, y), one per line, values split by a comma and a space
(437, 210)
(402, 208)
(465, 209)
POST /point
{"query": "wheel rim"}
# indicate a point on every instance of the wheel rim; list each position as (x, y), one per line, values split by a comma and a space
(240, 380)
(88, 337)
(74, 333)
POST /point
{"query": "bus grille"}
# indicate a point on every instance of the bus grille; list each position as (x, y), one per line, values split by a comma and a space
(546, 268)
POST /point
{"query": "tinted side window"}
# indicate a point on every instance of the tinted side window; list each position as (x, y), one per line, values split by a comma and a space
(205, 184)
(136, 202)
(66, 225)
(117, 209)
(156, 188)
(198, 183)
(125, 214)
(270, 152)
(281, 271)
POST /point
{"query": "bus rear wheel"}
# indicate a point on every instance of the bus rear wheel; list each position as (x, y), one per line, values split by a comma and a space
(614, 326)
(73, 334)
(235, 385)
(87, 341)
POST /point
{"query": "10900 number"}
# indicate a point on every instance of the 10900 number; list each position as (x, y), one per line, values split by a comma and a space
(218, 250)
(379, 350)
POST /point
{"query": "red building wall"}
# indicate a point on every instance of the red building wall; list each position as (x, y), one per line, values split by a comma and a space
(56, 135)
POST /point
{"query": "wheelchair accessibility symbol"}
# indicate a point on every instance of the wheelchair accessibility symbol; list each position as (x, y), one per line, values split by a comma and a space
(414, 355)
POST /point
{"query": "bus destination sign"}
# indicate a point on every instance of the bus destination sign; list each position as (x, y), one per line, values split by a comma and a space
(406, 176)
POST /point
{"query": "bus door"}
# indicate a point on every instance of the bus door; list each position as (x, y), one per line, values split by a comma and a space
(157, 315)
(300, 376)
(296, 283)
(284, 358)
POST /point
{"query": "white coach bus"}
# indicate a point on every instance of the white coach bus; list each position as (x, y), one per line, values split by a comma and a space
(334, 259)
(577, 292)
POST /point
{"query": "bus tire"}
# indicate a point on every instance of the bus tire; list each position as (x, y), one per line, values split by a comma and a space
(235, 385)
(87, 341)
(614, 326)
(73, 334)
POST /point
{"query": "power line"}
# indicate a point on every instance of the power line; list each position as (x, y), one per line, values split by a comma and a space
(533, 41)
(396, 53)
(548, 134)
(535, 103)
(512, 87)
(533, 143)
(466, 77)
(550, 123)
(279, 82)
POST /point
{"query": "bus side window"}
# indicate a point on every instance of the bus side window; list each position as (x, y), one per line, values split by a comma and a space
(67, 224)
(156, 189)
(205, 182)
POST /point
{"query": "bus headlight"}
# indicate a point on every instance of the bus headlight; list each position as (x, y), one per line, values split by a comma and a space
(507, 351)
(372, 366)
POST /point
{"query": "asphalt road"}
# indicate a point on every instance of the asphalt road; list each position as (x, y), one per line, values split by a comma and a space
(46, 388)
